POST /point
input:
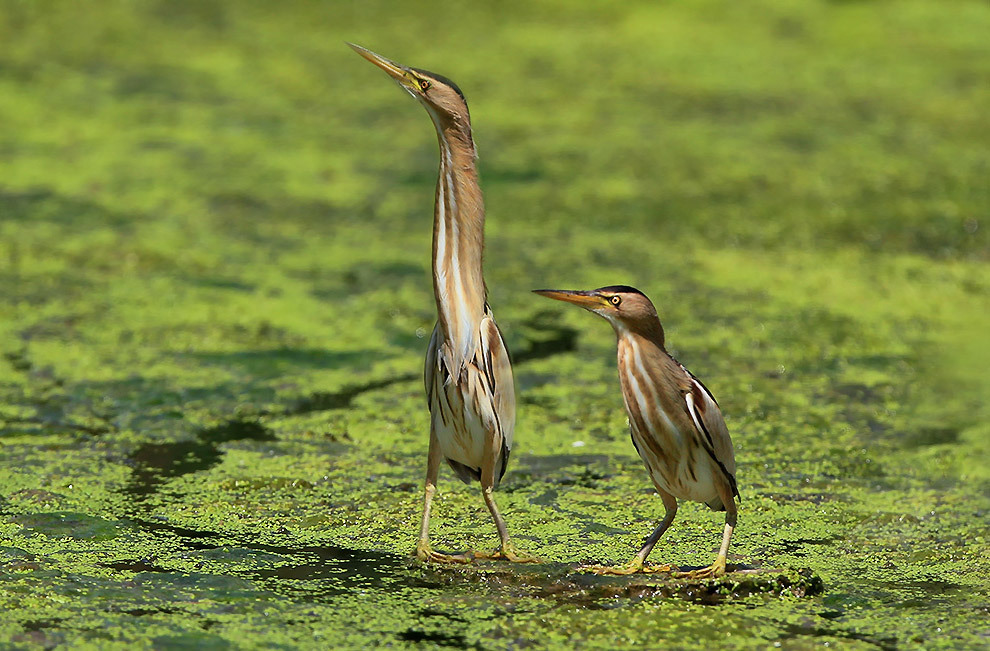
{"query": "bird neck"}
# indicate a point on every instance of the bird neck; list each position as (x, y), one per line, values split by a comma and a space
(649, 332)
(458, 241)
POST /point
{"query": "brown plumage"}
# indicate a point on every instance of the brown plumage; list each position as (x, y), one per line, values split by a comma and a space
(676, 424)
(468, 377)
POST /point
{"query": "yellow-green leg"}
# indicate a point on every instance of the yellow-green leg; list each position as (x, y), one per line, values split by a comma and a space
(638, 563)
(424, 552)
(717, 568)
(507, 551)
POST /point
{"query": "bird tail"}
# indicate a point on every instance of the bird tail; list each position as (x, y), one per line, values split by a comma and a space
(715, 504)
(465, 473)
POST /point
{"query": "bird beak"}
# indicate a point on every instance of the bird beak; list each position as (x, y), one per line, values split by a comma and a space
(396, 71)
(587, 300)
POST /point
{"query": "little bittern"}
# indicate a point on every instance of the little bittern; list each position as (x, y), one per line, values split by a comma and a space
(468, 377)
(676, 425)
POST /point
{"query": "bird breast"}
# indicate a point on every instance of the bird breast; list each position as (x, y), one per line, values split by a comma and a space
(660, 425)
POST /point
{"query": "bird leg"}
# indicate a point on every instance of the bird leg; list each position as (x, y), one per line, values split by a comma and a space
(717, 568)
(507, 551)
(638, 563)
(424, 552)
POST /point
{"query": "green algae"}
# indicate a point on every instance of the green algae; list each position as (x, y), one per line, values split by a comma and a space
(214, 247)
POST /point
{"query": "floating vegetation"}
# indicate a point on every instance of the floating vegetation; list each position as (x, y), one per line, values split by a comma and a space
(215, 300)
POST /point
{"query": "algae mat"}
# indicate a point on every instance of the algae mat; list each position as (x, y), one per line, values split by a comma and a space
(214, 298)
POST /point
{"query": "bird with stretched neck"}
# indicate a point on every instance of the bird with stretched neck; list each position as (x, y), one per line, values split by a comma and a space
(468, 377)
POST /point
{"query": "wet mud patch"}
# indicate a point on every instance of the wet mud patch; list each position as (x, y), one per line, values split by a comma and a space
(565, 584)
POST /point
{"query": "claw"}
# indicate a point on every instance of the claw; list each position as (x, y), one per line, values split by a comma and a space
(713, 571)
(635, 566)
(426, 554)
(508, 552)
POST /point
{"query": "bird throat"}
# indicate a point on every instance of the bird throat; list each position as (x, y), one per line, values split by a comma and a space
(458, 245)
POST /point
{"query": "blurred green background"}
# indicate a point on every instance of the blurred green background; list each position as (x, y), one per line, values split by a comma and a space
(215, 296)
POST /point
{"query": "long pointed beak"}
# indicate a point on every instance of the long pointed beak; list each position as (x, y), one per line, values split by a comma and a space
(587, 300)
(394, 70)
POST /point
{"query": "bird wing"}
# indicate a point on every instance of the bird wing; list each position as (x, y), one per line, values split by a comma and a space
(430, 370)
(486, 390)
(707, 418)
(497, 372)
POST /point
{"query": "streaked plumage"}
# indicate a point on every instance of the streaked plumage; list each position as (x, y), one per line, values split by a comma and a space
(468, 377)
(465, 412)
(675, 422)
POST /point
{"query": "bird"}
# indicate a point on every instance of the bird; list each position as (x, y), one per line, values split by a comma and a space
(468, 375)
(676, 425)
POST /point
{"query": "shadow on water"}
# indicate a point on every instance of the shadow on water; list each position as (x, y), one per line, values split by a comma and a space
(329, 571)
(556, 470)
(38, 624)
(155, 462)
(310, 571)
(275, 362)
(342, 399)
(796, 547)
(45, 205)
(561, 339)
(305, 571)
(809, 629)
(436, 639)
(316, 571)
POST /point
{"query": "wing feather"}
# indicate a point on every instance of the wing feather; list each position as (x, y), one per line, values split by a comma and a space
(500, 386)
(707, 419)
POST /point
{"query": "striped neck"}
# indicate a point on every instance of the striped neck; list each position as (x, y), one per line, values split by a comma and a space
(458, 241)
(649, 330)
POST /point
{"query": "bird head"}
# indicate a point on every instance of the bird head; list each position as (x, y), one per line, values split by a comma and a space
(440, 96)
(626, 308)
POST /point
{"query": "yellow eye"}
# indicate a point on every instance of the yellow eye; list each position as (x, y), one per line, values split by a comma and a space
(615, 300)
(424, 84)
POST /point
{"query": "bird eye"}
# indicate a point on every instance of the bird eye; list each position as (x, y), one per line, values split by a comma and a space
(424, 84)
(615, 300)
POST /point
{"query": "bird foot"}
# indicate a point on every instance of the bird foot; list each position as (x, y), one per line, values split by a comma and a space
(713, 571)
(426, 554)
(635, 566)
(507, 552)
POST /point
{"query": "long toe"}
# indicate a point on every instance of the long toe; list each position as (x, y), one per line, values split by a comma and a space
(635, 566)
(516, 556)
(507, 553)
(426, 554)
(616, 570)
(448, 559)
(713, 571)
